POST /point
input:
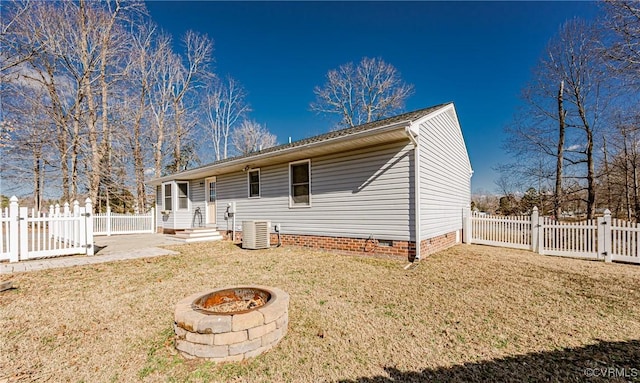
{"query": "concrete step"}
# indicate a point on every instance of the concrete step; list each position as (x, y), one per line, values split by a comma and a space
(203, 239)
(196, 234)
(200, 230)
(199, 234)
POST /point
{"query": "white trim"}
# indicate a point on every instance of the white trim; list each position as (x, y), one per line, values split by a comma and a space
(177, 203)
(249, 183)
(291, 204)
(416, 187)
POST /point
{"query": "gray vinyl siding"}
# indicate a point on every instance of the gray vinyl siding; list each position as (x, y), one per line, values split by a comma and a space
(158, 207)
(197, 197)
(356, 194)
(445, 175)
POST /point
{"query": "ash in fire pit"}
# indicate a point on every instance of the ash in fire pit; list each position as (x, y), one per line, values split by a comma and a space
(231, 324)
(231, 301)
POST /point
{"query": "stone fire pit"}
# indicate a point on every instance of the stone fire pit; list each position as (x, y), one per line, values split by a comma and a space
(231, 324)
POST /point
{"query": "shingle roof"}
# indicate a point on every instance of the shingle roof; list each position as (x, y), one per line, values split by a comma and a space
(409, 116)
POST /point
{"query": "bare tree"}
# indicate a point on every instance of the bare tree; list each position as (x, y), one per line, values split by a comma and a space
(199, 49)
(370, 91)
(160, 96)
(142, 61)
(564, 105)
(224, 104)
(28, 149)
(36, 31)
(562, 126)
(115, 98)
(13, 52)
(251, 137)
(623, 54)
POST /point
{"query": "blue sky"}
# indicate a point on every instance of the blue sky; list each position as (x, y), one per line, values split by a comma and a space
(477, 54)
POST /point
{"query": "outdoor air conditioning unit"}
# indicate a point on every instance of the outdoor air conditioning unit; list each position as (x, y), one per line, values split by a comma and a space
(255, 234)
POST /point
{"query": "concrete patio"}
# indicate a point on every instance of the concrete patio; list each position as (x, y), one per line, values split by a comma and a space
(107, 249)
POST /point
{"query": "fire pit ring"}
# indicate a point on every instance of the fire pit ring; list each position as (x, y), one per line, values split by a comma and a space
(231, 324)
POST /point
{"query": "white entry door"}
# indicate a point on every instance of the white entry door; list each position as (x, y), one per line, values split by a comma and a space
(211, 200)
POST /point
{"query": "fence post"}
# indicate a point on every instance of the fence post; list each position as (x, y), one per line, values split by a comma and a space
(605, 227)
(466, 224)
(82, 232)
(152, 228)
(535, 229)
(540, 225)
(76, 224)
(56, 223)
(65, 224)
(24, 232)
(89, 225)
(14, 222)
(50, 227)
(108, 221)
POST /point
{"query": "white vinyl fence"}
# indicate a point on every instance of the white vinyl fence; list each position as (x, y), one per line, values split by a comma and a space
(113, 223)
(28, 235)
(605, 238)
(514, 231)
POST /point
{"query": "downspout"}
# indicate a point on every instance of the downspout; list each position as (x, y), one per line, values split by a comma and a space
(416, 186)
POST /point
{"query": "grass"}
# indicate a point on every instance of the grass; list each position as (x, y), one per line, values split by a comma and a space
(471, 313)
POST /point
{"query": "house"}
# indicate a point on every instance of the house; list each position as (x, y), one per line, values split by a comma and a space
(356, 189)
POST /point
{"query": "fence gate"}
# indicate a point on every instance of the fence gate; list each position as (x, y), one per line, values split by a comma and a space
(514, 232)
(568, 239)
(625, 241)
(28, 235)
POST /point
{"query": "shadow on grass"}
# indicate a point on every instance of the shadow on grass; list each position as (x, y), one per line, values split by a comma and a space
(601, 362)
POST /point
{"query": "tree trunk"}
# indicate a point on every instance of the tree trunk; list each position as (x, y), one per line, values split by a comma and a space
(157, 155)
(177, 145)
(557, 200)
(606, 172)
(636, 200)
(64, 165)
(92, 117)
(627, 191)
(104, 91)
(138, 160)
(591, 178)
(37, 192)
(75, 145)
(62, 135)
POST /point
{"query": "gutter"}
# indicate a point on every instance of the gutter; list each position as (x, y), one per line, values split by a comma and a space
(416, 185)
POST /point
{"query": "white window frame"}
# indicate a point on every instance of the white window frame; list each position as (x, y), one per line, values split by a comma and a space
(293, 205)
(164, 196)
(177, 199)
(249, 183)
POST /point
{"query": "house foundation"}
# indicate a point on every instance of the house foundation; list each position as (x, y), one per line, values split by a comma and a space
(361, 246)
